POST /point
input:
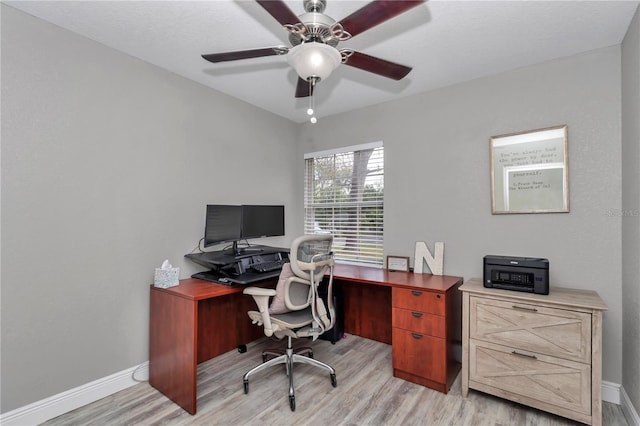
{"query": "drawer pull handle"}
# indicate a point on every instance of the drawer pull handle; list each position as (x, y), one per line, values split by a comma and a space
(524, 309)
(416, 293)
(416, 335)
(524, 355)
(416, 314)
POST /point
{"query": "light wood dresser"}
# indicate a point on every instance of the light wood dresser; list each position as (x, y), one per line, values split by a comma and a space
(544, 351)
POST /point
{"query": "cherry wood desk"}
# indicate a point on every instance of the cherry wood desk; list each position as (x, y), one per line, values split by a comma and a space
(189, 324)
(198, 320)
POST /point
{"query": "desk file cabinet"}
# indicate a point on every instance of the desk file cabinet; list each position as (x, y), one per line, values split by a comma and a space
(538, 350)
(420, 348)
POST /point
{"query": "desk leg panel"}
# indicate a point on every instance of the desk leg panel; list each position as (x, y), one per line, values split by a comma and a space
(172, 347)
(247, 331)
(223, 324)
(367, 310)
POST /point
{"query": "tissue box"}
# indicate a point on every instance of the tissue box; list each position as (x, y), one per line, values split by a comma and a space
(165, 278)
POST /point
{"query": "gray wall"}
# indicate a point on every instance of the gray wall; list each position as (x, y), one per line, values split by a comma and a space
(631, 211)
(437, 173)
(107, 165)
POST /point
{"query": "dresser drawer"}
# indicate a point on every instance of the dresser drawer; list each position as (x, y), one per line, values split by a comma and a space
(542, 379)
(419, 355)
(417, 300)
(420, 322)
(551, 331)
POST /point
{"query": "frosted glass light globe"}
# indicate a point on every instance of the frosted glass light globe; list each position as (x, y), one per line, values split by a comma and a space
(313, 59)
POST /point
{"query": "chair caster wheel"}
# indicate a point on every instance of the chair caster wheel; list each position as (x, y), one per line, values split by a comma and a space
(334, 381)
(264, 358)
(292, 402)
(246, 386)
(310, 354)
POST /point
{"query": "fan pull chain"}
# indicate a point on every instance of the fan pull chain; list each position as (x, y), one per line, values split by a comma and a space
(312, 102)
(310, 110)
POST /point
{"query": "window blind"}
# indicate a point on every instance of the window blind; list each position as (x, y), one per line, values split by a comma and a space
(344, 196)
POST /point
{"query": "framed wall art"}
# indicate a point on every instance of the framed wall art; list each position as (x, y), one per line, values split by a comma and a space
(529, 172)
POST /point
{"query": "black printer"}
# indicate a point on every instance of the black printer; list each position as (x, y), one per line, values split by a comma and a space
(530, 274)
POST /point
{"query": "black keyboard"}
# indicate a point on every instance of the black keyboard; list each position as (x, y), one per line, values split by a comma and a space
(248, 277)
(267, 266)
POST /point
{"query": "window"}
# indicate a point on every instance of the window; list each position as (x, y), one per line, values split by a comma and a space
(344, 195)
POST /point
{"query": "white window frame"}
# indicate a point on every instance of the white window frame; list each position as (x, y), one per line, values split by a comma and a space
(367, 242)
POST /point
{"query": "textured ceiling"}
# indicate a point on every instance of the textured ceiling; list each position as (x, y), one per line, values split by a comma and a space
(445, 42)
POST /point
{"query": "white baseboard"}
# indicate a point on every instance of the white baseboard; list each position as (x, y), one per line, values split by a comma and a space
(629, 410)
(611, 392)
(47, 409)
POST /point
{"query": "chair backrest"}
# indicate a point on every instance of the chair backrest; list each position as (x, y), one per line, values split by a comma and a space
(312, 260)
(310, 254)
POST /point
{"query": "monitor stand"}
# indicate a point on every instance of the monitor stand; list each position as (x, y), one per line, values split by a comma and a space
(243, 251)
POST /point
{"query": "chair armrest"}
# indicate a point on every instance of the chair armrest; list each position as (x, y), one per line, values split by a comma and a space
(261, 297)
(258, 291)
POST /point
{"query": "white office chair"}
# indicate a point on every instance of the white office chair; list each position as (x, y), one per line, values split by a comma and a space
(296, 310)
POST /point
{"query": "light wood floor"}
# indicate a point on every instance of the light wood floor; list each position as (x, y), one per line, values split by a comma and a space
(367, 394)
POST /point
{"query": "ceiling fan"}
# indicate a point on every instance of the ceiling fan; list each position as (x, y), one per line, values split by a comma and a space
(314, 37)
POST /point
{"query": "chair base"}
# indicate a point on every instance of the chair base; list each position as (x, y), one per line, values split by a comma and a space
(288, 359)
(304, 350)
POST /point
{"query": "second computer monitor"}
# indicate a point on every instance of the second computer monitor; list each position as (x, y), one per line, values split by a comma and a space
(262, 221)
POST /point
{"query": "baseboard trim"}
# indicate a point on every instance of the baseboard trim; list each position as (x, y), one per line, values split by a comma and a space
(629, 410)
(611, 392)
(49, 408)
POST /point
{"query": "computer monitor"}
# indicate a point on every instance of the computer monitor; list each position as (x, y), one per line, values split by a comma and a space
(223, 223)
(262, 221)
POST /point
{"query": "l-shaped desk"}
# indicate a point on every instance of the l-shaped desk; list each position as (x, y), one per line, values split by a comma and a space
(418, 314)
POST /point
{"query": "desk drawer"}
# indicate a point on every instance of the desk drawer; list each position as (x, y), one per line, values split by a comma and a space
(551, 331)
(419, 355)
(417, 300)
(529, 377)
(420, 322)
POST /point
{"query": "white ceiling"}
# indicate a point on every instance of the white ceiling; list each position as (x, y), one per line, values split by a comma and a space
(445, 42)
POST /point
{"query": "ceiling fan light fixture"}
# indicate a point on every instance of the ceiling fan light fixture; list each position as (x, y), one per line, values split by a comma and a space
(314, 60)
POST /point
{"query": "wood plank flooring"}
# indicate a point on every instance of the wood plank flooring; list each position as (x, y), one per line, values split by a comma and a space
(367, 394)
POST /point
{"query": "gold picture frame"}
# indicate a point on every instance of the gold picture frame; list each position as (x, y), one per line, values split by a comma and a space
(398, 263)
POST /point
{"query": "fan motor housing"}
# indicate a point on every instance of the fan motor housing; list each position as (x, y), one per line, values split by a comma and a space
(318, 28)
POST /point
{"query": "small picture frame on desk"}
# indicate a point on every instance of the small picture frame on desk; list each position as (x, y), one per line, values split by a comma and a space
(398, 263)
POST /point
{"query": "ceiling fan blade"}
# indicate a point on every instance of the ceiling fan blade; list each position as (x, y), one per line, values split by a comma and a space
(245, 54)
(376, 13)
(303, 88)
(377, 66)
(280, 11)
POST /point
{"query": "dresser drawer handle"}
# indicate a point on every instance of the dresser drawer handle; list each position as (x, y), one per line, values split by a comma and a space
(524, 355)
(416, 314)
(416, 293)
(524, 309)
(416, 335)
